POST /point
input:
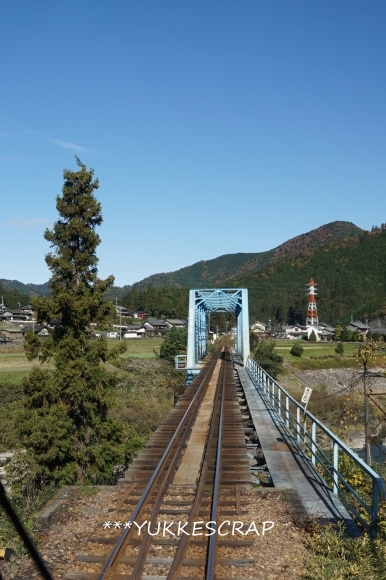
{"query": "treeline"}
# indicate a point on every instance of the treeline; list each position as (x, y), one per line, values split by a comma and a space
(350, 276)
(160, 302)
(12, 298)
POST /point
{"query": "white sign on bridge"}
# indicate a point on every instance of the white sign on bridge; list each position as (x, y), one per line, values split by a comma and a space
(306, 396)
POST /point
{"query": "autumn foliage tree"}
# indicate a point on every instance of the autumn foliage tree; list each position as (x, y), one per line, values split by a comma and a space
(64, 423)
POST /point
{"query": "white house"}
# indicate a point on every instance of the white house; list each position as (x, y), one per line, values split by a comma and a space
(134, 331)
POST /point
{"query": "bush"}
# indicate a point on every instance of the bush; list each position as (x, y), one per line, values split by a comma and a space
(339, 348)
(297, 349)
(267, 358)
(175, 343)
(312, 337)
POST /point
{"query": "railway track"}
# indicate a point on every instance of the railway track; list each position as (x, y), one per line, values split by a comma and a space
(182, 492)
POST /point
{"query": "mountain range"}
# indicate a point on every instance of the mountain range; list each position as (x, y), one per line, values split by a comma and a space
(221, 270)
(346, 262)
(224, 269)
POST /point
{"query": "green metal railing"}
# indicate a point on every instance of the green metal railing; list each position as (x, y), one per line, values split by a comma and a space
(324, 449)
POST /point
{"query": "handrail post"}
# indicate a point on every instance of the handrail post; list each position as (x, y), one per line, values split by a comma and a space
(287, 411)
(273, 394)
(279, 401)
(335, 451)
(313, 442)
(374, 510)
(298, 424)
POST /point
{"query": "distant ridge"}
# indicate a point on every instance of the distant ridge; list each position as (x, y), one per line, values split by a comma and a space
(29, 289)
(218, 271)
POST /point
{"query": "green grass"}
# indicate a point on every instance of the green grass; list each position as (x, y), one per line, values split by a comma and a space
(139, 347)
(320, 355)
(14, 365)
(312, 349)
(333, 556)
(87, 491)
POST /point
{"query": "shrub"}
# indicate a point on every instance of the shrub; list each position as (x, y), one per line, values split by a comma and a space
(175, 343)
(339, 348)
(312, 337)
(267, 358)
(297, 349)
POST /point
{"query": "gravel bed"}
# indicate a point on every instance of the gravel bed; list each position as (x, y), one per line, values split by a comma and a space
(279, 554)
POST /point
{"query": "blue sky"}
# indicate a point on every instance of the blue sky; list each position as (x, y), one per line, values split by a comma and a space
(214, 127)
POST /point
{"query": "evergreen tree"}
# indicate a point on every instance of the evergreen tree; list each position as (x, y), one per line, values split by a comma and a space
(312, 336)
(64, 423)
(356, 335)
(338, 332)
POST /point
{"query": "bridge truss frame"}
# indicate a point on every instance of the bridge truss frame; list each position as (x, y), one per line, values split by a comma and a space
(202, 303)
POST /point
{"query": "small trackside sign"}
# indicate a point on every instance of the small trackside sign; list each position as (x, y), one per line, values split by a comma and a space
(306, 395)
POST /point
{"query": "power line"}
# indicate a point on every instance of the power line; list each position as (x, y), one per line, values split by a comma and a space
(338, 392)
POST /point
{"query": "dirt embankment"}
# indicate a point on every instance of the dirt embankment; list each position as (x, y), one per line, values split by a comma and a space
(333, 379)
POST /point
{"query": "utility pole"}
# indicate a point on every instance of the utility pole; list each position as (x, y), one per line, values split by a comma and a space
(120, 319)
(365, 354)
(367, 419)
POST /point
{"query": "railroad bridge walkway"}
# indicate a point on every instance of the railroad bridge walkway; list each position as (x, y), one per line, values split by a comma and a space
(288, 466)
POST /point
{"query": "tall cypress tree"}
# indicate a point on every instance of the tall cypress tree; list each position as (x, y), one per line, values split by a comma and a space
(64, 423)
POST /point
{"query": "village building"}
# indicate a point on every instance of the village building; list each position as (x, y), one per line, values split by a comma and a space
(357, 325)
(39, 330)
(176, 322)
(122, 311)
(140, 314)
(12, 333)
(6, 316)
(260, 329)
(134, 331)
(156, 325)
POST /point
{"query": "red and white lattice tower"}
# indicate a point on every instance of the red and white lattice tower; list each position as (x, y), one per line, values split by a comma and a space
(312, 312)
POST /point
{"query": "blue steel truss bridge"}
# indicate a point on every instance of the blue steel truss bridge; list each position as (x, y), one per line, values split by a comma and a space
(203, 303)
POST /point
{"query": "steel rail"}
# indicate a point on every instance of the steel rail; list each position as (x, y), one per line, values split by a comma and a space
(211, 558)
(141, 557)
(121, 544)
(174, 571)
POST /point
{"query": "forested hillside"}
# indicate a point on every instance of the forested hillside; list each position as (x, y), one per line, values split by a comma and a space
(12, 298)
(350, 272)
(350, 277)
(166, 302)
(26, 289)
(219, 271)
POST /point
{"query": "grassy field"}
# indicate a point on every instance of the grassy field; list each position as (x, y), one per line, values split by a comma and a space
(14, 364)
(322, 355)
(140, 347)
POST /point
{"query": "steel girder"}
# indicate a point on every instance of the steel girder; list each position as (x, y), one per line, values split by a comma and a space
(201, 305)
